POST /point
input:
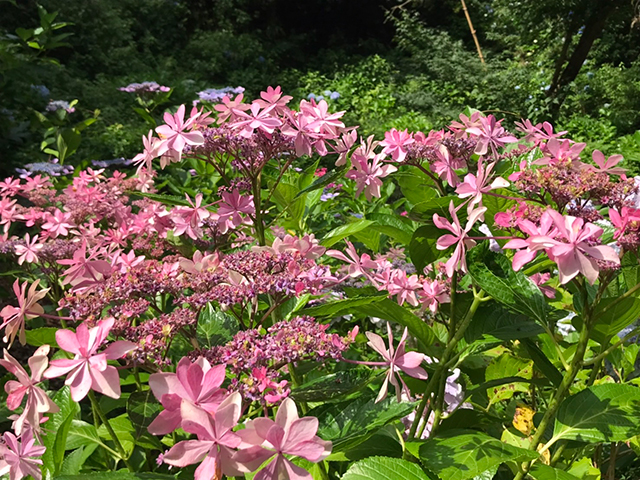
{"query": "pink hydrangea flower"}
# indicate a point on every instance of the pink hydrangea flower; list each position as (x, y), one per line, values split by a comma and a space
(433, 293)
(89, 370)
(572, 249)
(231, 210)
(459, 237)
(28, 308)
(29, 251)
(367, 175)
(606, 165)
(357, 264)
(19, 458)
(215, 443)
(263, 119)
(394, 144)
(446, 165)
(288, 435)
(274, 96)
(57, 224)
(397, 359)
(474, 186)
(195, 383)
(176, 134)
(37, 400)
(490, 134)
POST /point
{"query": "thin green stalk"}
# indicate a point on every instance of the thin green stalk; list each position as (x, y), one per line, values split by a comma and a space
(437, 413)
(112, 433)
(296, 382)
(442, 366)
(559, 395)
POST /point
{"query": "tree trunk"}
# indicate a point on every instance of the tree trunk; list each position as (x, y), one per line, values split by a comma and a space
(592, 30)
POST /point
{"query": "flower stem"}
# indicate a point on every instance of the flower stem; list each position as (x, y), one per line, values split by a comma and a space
(97, 409)
(559, 395)
(448, 352)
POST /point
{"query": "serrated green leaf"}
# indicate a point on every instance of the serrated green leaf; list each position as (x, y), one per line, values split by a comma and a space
(500, 323)
(384, 468)
(142, 408)
(348, 423)
(463, 455)
(330, 387)
(58, 427)
(42, 336)
(342, 307)
(422, 247)
(540, 471)
(612, 319)
(507, 365)
(74, 461)
(343, 231)
(215, 327)
(601, 413)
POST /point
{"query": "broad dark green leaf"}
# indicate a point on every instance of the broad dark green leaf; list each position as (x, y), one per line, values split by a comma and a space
(512, 289)
(74, 461)
(343, 307)
(142, 408)
(507, 365)
(389, 310)
(501, 323)
(348, 423)
(612, 319)
(393, 226)
(215, 327)
(463, 455)
(600, 413)
(82, 434)
(333, 386)
(422, 247)
(541, 362)
(42, 336)
(343, 231)
(540, 471)
(384, 468)
(59, 424)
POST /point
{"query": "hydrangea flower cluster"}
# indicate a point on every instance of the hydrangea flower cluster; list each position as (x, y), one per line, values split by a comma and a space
(145, 88)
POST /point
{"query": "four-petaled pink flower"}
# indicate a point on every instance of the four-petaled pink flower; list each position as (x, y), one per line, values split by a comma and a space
(197, 384)
(397, 359)
(176, 135)
(490, 134)
(572, 249)
(474, 186)
(28, 308)
(37, 400)
(605, 165)
(227, 107)
(258, 119)
(526, 251)
(19, 458)
(189, 219)
(433, 294)
(357, 264)
(231, 208)
(288, 435)
(394, 144)
(446, 165)
(29, 251)
(622, 219)
(459, 237)
(152, 147)
(404, 287)
(215, 443)
(58, 223)
(273, 96)
(367, 175)
(89, 370)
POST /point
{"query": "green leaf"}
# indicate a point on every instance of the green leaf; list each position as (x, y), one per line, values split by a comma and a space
(82, 434)
(142, 409)
(463, 455)
(601, 413)
(425, 210)
(393, 226)
(59, 424)
(74, 461)
(384, 468)
(42, 336)
(415, 185)
(215, 327)
(540, 471)
(337, 234)
(164, 199)
(541, 362)
(501, 323)
(512, 289)
(506, 365)
(123, 429)
(611, 320)
(422, 247)
(285, 196)
(343, 307)
(348, 423)
(325, 180)
(389, 310)
(330, 387)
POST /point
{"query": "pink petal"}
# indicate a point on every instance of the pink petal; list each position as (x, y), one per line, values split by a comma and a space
(118, 349)
(187, 453)
(106, 382)
(67, 341)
